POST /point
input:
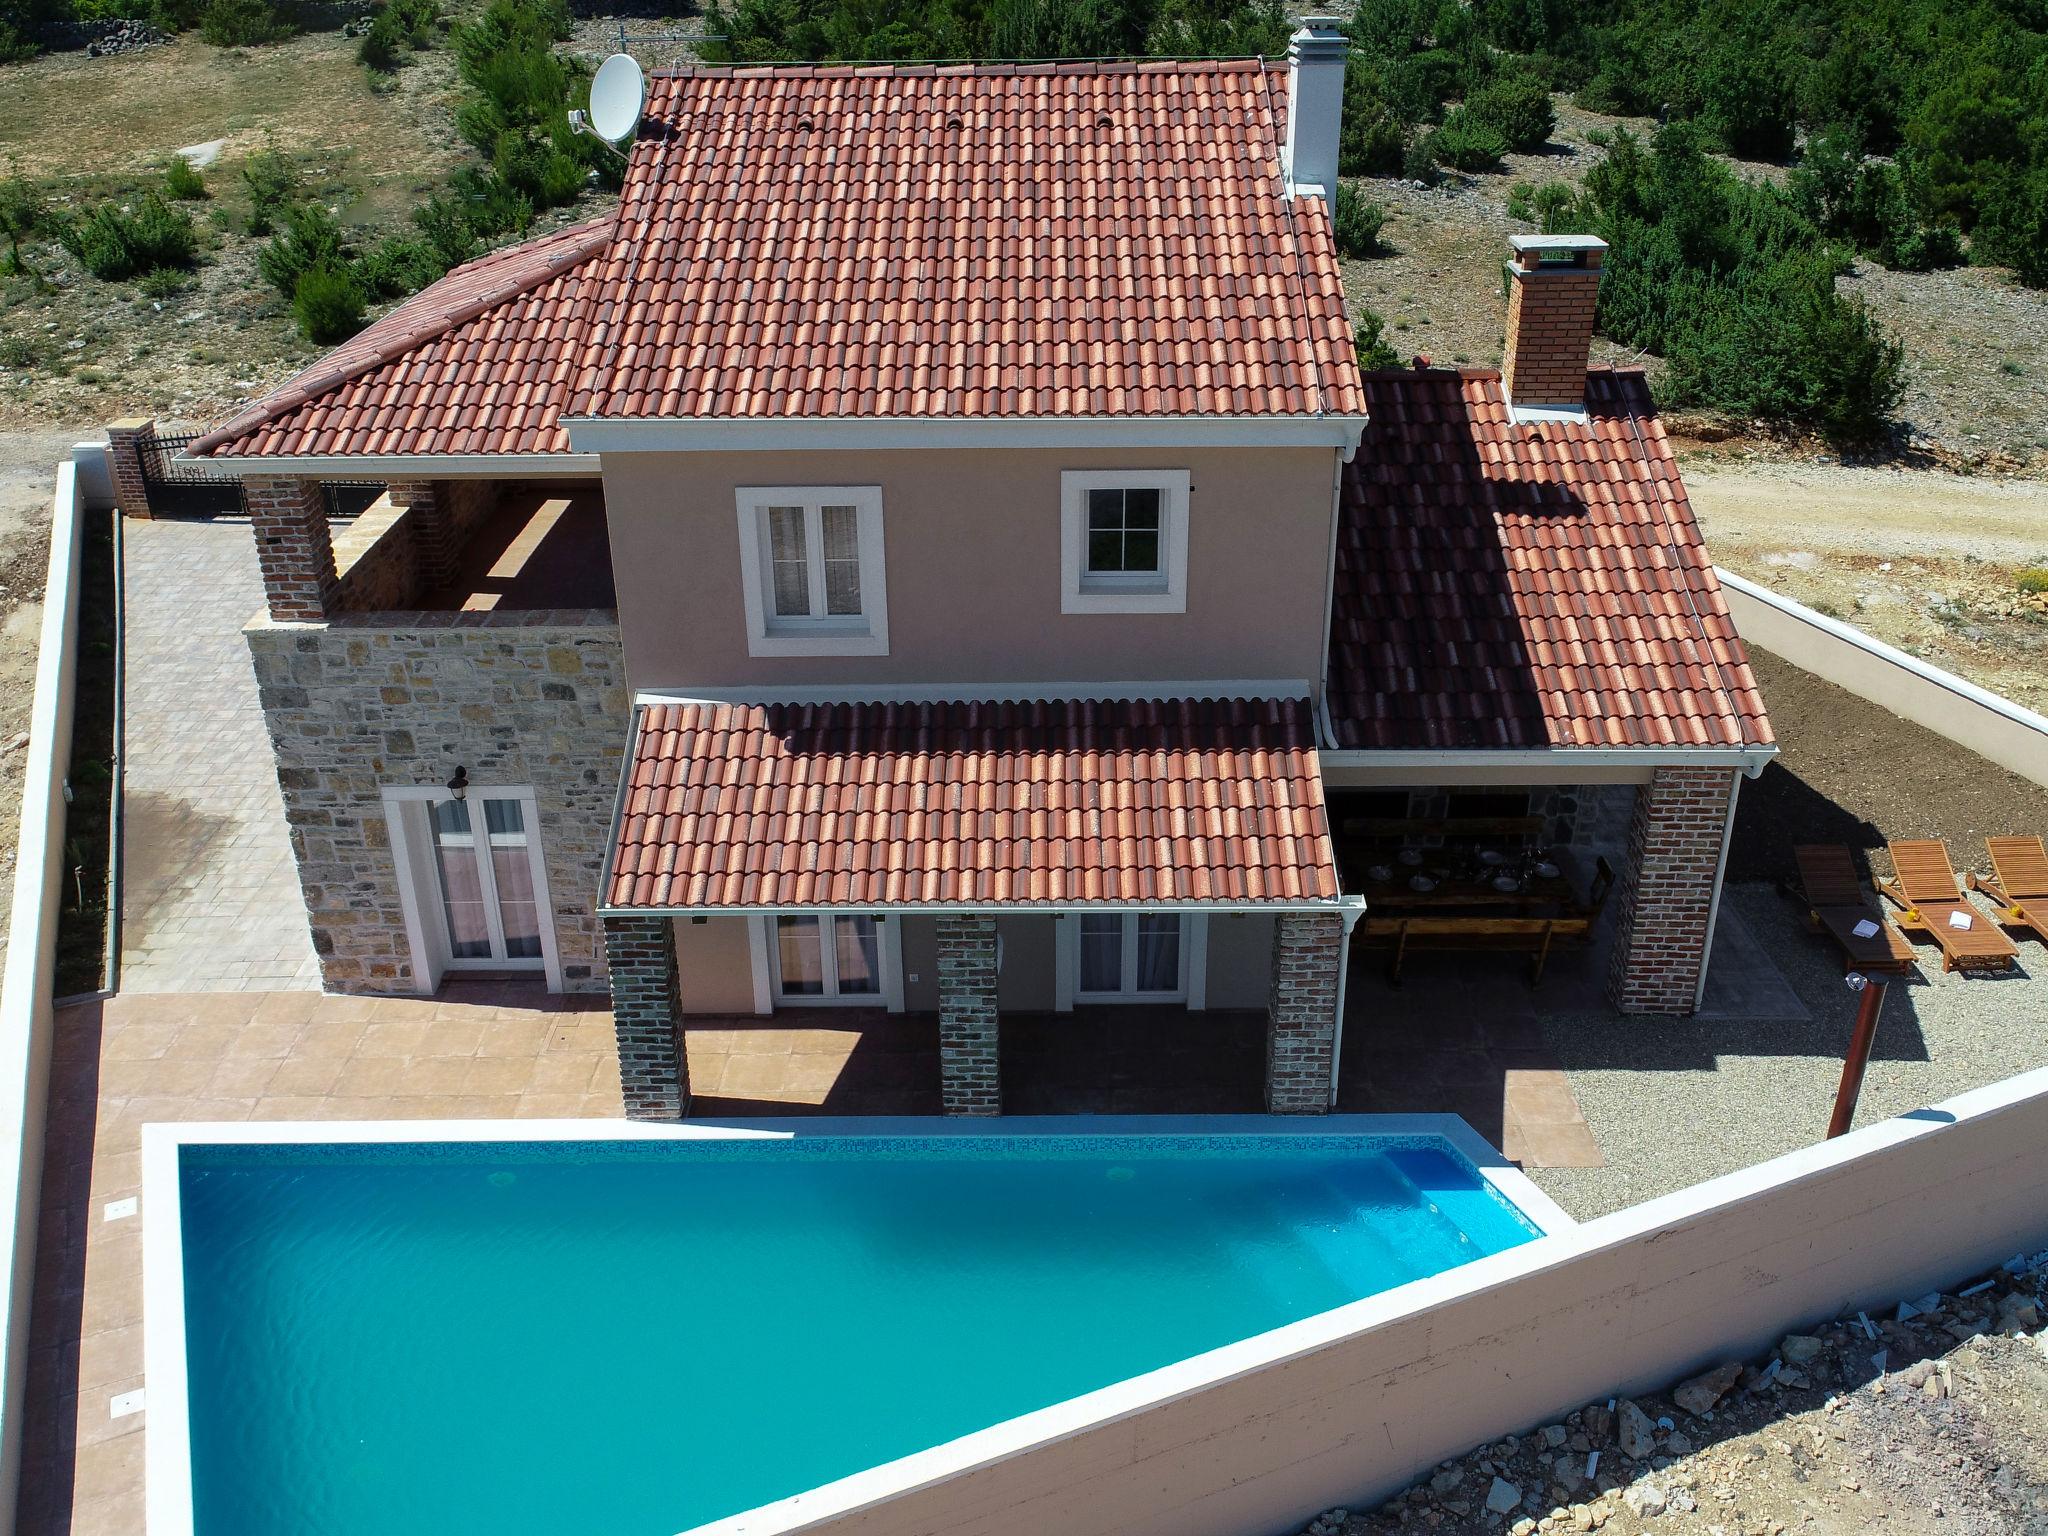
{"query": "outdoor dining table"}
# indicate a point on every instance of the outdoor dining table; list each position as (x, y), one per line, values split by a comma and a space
(1534, 893)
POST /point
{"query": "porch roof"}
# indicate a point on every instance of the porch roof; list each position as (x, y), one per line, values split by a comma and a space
(972, 803)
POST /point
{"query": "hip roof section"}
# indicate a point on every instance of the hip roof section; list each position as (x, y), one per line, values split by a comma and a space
(1527, 585)
(972, 804)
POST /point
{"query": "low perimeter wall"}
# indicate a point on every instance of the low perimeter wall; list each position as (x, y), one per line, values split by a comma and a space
(27, 1019)
(1348, 1407)
(1992, 727)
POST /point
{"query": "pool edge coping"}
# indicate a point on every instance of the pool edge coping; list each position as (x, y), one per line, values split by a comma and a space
(167, 1458)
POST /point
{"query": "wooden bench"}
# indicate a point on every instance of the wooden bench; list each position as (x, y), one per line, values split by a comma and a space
(1535, 936)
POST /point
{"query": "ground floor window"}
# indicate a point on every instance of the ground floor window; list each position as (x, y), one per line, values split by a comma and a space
(472, 882)
(828, 957)
(1131, 955)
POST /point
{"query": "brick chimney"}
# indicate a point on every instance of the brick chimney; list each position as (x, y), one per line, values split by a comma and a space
(1315, 106)
(1553, 281)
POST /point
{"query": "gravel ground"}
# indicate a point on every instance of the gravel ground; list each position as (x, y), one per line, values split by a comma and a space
(1674, 1102)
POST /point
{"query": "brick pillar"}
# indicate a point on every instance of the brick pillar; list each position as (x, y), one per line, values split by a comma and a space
(970, 1077)
(124, 454)
(1553, 289)
(434, 540)
(647, 1016)
(1301, 1018)
(294, 546)
(1667, 889)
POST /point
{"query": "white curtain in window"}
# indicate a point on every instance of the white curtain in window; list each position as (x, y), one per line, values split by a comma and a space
(1159, 953)
(859, 954)
(1102, 952)
(801, 953)
(842, 561)
(791, 564)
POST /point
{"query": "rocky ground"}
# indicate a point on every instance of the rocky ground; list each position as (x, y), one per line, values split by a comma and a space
(1932, 1418)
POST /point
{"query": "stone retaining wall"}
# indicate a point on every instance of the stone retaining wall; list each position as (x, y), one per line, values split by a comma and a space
(358, 704)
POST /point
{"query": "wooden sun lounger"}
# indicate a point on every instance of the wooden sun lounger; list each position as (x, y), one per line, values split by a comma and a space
(1925, 886)
(1837, 900)
(2019, 883)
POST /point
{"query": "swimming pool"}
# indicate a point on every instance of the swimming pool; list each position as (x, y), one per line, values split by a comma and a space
(639, 1334)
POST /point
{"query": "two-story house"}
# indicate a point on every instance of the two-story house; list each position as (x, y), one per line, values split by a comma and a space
(933, 548)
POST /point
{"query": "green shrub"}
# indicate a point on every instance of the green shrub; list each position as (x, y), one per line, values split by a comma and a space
(19, 352)
(328, 304)
(1517, 106)
(1356, 222)
(1466, 144)
(272, 183)
(2034, 579)
(243, 24)
(111, 243)
(183, 181)
(379, 48)
(1371, 140)
(399, 264)
(1746, 102)
(309, 241)
(1368, 337)
(1554, 206)
(23, 216)
(164, 282)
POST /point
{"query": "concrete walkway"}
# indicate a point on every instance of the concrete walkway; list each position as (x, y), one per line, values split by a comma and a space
(210, 899)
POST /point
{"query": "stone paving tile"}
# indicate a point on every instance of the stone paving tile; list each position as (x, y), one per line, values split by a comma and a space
(479, 1050)
(210, 899)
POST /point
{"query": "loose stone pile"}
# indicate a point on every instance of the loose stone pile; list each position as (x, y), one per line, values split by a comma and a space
(1638, 1454)
(102, 39)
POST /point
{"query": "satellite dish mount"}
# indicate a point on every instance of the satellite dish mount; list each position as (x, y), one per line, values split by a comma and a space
(618, 97)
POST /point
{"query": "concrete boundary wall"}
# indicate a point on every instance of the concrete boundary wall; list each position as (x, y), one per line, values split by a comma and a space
(1347, 1407)
(1993, 727)
(27, 1018)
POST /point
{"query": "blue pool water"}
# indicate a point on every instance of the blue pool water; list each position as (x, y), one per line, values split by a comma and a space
(634, 1338)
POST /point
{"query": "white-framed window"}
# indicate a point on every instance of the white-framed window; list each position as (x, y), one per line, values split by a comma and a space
(804, 959)
(472, 882)
(812, 570)
(1132, 957)
(1124, 540)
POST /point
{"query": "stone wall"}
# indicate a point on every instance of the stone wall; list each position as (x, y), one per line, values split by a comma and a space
(970, 1081)
(654, 1069)
(1667, 889)
(1301, 1022)
(356, 705)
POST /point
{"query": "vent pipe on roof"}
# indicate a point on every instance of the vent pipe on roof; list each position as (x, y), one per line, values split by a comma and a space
(1315, 106)
(1553, 285)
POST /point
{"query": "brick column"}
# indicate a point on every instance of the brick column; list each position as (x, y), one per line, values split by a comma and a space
(434, 541)
(1667, 890)
(124, 455)
(294, 546)
(1301, 1018)
(647, 1016)
(970, 1077)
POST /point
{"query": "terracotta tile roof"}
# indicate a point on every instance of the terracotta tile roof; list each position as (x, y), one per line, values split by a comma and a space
(480, 362)
(909, 241)
(1527, 586)
(1005, 240)
(978, 804)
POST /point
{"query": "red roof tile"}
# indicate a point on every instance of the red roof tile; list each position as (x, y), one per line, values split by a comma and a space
(913, 241)
(1009, 240)
(1540, 585)
(974, 804)
(480, 362)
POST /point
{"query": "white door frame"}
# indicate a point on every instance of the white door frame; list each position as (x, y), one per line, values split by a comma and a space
(1194, 963)
(406, 813)
(765, 955)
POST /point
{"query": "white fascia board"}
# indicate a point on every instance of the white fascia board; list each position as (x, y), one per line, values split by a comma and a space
(1554, 760)
(408, 466)
(984, 693)
(668, 434)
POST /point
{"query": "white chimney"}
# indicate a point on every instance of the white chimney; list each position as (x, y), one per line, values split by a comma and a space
(1315, 106)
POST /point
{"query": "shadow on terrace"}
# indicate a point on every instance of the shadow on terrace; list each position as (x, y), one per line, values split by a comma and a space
(476, 547)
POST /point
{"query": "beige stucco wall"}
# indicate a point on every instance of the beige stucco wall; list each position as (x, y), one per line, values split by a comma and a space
(1351, 1406)
(1240, 960)
(972, 543)
(715, 965)
(1025, 985)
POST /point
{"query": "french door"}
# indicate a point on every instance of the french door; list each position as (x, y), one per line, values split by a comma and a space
(829, 959)
(1131, 957)
(484, 859)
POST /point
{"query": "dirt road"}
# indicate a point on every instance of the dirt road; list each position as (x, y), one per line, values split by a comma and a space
(1932, 563)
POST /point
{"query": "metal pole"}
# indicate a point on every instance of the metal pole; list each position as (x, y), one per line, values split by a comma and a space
(1859, 1051)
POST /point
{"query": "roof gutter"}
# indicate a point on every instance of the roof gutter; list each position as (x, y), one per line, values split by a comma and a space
(670, 434)
(1751, 760)
(405, 466)
(1344, 906)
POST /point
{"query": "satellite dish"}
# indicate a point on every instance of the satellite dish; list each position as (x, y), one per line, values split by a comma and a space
(617, 98)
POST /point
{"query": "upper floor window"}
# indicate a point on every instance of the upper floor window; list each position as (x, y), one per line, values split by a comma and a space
(812, 571)
(1124, 541)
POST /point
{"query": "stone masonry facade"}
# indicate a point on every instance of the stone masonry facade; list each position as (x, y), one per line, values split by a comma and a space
(533, 698)
(1667, 889)
(1301, 1019)
(970, 1078)
(654, 1068)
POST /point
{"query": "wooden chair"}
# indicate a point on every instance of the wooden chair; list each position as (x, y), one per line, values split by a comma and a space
(1535, 936)
(1925, 886)
(2019, 883)
(1837, 900)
